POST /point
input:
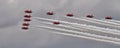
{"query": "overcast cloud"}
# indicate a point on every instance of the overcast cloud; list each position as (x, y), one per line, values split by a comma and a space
(11, 18)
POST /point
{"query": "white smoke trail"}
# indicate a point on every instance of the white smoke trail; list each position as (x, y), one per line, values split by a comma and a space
(110, 24)
(78, 25)
(106, 22)
(83, 28)
(83, 35)
(115, 21)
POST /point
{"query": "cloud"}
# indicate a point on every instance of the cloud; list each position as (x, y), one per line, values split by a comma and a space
(107, 8)
(11, 17)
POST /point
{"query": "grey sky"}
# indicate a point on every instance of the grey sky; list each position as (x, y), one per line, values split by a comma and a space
(11, 16)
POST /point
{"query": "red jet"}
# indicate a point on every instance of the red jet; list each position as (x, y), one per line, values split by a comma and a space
(70, 15)
(27, 19)
(89, 16)
(25, 28)
(27, 16)
(28, 11)
(26, 24)
(50, 13)
(108, 17)
(56, 23)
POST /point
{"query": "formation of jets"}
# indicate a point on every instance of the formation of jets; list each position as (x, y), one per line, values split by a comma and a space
(111, 34)
(27, 19)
